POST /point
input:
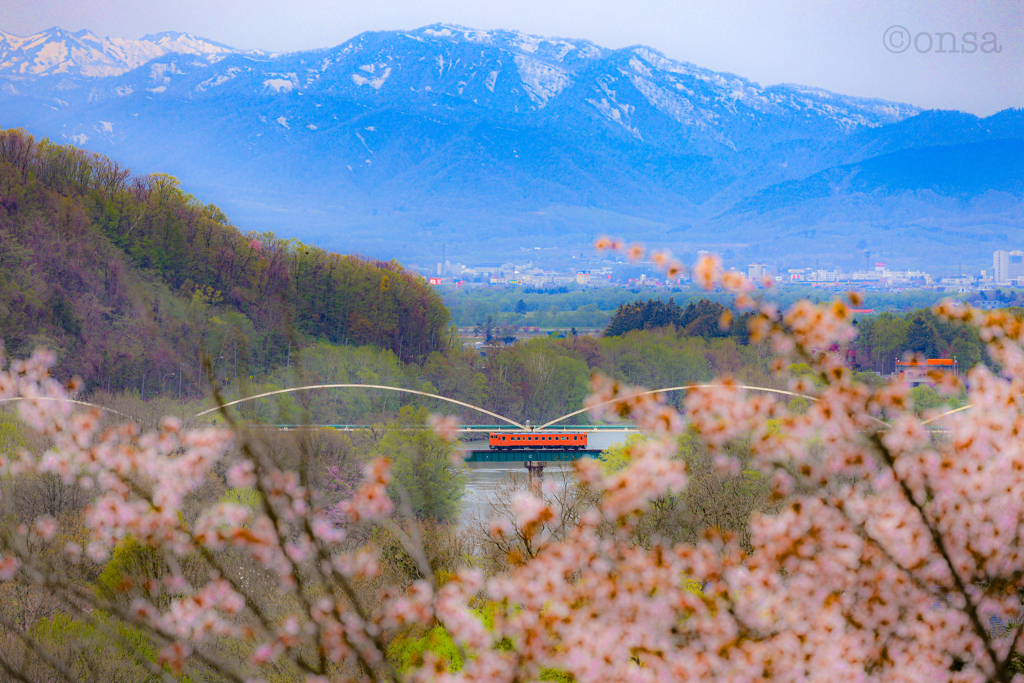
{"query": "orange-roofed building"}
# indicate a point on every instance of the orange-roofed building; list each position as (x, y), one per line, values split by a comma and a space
(916, 372)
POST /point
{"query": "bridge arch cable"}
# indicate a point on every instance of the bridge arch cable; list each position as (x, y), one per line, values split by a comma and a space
(66, 400)
(312, 387)
(946, 414)
(687, 388)
(953, 411)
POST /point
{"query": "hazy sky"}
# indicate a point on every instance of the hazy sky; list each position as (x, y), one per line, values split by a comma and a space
(838, 45)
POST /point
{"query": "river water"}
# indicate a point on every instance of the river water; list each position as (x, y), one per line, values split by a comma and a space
(482, 482)
(484, 479)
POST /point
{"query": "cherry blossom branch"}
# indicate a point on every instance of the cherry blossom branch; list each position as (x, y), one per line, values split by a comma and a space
(940, 545)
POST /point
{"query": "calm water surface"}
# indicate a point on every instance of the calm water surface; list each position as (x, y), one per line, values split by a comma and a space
(485, 478)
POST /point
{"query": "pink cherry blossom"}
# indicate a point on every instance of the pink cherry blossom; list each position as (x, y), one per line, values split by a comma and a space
(891, 555)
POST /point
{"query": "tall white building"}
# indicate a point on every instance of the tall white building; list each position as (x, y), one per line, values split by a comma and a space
(1007, 266)
(758, 272)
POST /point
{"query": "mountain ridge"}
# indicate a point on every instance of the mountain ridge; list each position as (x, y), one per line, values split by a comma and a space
(396, 137)
(56, 51)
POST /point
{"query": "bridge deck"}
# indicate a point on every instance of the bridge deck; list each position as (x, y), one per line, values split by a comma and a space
(524, 455)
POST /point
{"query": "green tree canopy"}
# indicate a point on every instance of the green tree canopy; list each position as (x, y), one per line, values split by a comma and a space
(423, 471)
(701, 319)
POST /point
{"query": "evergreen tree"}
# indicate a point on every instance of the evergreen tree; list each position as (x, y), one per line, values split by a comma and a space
(923, 338)
(702, 319)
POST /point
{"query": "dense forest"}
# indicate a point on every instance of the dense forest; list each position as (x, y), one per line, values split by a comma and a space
(132, 281)
(705, 318)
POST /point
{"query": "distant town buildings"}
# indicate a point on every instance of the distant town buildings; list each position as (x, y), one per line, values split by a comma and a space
(812, 275)
(519, 274)
(880, 276)
(1008, 270)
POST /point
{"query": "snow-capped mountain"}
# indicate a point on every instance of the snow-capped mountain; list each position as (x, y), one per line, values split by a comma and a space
(635, 91)
(56, 51)
(445, 131)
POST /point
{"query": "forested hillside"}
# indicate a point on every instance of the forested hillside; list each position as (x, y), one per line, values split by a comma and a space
(130, 279)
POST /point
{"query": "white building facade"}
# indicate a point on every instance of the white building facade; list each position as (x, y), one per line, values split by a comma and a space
(1007, 266)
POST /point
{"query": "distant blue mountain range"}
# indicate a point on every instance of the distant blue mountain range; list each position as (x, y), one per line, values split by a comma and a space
(503, 146)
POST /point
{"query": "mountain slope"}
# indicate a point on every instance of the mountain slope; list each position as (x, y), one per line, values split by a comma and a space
(956, 171)
(129, 278)
(487, 141)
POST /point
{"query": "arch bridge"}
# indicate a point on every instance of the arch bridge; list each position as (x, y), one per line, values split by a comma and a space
(527, 427)
(550, 425)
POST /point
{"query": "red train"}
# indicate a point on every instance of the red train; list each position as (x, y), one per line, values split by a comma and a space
(561, 441)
